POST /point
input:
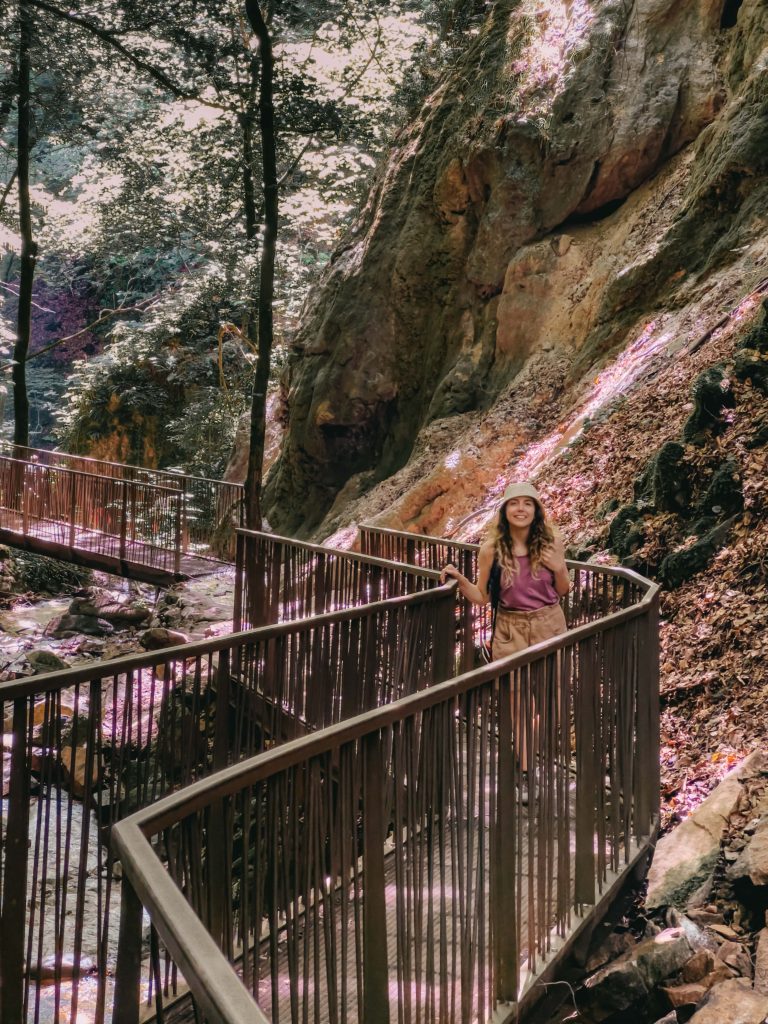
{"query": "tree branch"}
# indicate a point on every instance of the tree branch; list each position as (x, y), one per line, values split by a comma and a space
(110, 38)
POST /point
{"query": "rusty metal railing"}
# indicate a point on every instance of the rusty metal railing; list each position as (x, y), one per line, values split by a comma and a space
(210, 510)
(595, 591)
(104, 522)
(84, 747)
(421, 861)
(278, 578)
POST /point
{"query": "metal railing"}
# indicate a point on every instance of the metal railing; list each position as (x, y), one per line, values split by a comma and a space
(81, 516)
(392, 867)
(278, 578)
(210, 509)
(84, 747)
(595, 591)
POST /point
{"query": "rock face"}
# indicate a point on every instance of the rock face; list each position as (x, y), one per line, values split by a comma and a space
(495, 235)
(686, 857)
(733, 1002)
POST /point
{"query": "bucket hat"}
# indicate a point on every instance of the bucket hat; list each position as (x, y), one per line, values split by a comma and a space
(525, 489)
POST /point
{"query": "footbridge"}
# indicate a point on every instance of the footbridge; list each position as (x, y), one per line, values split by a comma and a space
(149, 525)
(335, 813)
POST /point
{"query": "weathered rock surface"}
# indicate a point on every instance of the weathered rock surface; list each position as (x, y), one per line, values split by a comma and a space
(761, 963)
(494, 241)
(733, 1002)
(67, 625)
(685, 857)
(629, 979)
(752, 863)
(101, 604)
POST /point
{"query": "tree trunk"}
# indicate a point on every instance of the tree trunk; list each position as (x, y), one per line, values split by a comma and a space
(253, 481)
(28, 246)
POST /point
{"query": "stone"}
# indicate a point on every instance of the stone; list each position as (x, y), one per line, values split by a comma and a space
(724, 496)
(65, 966)
(700, 964)
(732, 1002)
(682, 565)
(616, 944)
(100, 604)
(663, 955)
(752, 863)
(761, 963)
(44, 660)
(690, 994)
(75, 767)
(158, 637)
(712, 394)
(629, 979)
(685, 857)
(613, 989)
(66, 625)
(626, 532)
(665, 482)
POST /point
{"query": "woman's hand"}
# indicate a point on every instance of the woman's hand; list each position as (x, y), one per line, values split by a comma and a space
(553, 556)
(451, 571)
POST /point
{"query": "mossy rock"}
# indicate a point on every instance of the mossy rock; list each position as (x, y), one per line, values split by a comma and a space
(681, 566)
(757, 336)
(724, 497)
(626, 532)
(606, 508)
(760, 437)
(711, 394)
(665, 482)
(751, 364)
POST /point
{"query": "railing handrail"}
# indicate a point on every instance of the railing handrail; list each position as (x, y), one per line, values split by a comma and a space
(160, 814)
(91, 476)
(173, 474)
(62, 678)
(342, 553)
(610, 570)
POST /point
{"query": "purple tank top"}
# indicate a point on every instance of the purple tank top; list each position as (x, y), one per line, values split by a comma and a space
(526, 594)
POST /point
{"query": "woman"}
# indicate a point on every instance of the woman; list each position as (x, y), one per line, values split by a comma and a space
(534, 576)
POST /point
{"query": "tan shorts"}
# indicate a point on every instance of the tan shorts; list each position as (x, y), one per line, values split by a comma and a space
(517, 630)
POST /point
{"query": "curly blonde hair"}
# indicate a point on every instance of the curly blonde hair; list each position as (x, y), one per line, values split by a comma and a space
(540, 535)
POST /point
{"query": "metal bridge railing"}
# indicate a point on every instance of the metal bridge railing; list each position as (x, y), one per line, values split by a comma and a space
(84, 747)
(209, 509)
(59, 511)
(278, 578)
(392, 867)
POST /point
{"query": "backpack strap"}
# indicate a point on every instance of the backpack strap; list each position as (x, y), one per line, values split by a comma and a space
(494, 592)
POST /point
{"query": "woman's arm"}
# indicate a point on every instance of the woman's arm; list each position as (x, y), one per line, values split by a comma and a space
(477, 593)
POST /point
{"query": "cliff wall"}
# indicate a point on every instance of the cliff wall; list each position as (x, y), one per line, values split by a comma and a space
(587, 170)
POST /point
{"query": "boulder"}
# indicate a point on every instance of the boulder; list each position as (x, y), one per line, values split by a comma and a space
(101, 604)
(712, 394)
(752, 863)
(44, 660)
(732, 1002)
(761, 963)
(66, 625)
(665, 482)
(158, 637)
(685, 857)
(632, 977)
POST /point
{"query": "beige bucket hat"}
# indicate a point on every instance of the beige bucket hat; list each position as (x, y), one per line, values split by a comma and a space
(525, 489)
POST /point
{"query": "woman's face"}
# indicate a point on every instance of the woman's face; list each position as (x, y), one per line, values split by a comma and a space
(520, 512)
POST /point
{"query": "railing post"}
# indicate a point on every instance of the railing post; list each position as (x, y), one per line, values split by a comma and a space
(375, 969)
(72, 509)
(237, 611)
(181, 511)
(13, 919)
(25, 493)
(123, 520)
(504, 877)
(128, 971)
